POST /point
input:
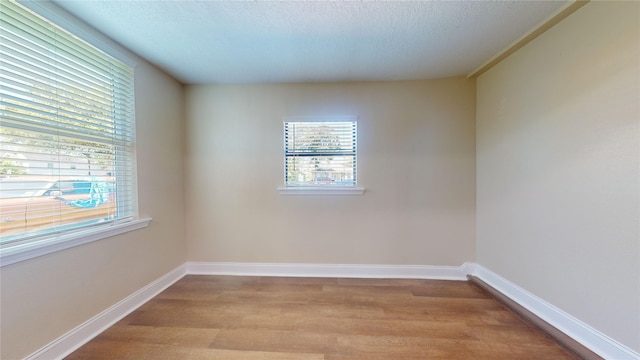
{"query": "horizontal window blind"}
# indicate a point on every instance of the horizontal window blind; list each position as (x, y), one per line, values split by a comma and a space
(320, 153)
(67, 136)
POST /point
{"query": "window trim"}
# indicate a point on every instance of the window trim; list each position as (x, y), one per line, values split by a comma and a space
(48, 244)
(321, 189)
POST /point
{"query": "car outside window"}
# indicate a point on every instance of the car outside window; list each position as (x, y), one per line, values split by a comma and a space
(29, 206)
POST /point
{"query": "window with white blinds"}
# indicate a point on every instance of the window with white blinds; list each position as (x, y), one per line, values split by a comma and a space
(320, 153)
(67, 136)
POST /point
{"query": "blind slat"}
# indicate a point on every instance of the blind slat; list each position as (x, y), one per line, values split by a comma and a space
(42, 34)
(320, 153)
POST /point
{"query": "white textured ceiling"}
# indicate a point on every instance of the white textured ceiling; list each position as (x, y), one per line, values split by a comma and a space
(312, 41)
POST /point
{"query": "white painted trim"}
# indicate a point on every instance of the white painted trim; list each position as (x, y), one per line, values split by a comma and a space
(574, 328)
(567, 9)
(332, 270)
(47, 245)
(327, 190)
(80, 335)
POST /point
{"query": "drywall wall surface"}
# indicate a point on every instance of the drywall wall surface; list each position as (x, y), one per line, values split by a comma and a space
(416, 159)
(558, 171)
(45, 297)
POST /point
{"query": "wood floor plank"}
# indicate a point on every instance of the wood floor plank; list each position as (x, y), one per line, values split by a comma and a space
(184, 337)
(405, 346)
(274, 341)
(228, 317)
(449, 289)
(111, 350)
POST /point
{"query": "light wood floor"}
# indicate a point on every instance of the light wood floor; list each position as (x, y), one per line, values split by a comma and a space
(225, 317)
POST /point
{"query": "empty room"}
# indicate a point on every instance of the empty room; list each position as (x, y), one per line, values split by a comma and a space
(319, 179)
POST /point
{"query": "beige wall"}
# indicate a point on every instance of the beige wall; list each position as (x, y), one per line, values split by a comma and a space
(43, 298)
(416, 159)
(558, 172)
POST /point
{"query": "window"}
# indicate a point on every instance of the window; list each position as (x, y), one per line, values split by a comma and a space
(67, 134)
(320, 153)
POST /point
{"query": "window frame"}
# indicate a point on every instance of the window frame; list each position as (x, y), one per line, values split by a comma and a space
(31, 247)
(320, 189)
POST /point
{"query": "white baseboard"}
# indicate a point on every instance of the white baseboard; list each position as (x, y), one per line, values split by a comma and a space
(574, 328)
(77, 337)
(333, 270)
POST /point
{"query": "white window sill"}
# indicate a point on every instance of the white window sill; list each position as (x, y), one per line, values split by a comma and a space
(21, 252)
(311, 190)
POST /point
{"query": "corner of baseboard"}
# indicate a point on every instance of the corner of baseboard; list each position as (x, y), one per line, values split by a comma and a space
(469, 268)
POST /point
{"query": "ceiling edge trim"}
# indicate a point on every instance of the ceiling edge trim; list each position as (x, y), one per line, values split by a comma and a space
(536, 31)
